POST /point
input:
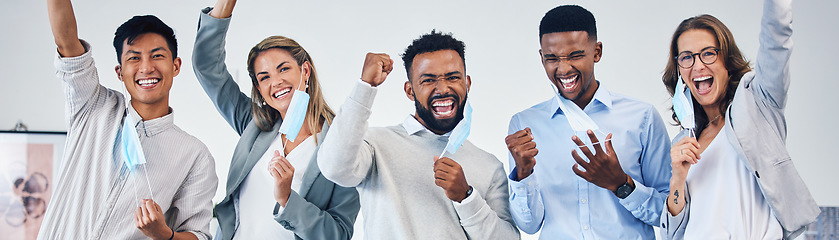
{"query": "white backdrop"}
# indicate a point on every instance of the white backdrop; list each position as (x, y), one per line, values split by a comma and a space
(501, 55)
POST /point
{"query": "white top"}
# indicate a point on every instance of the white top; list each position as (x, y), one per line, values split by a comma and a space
(256, 199)
(726, 202)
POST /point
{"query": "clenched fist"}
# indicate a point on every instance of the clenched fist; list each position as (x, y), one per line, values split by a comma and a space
(376, 68)
(523, 149)
(449, 175)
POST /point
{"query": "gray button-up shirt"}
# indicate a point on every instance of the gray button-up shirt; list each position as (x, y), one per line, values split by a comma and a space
(95, 194)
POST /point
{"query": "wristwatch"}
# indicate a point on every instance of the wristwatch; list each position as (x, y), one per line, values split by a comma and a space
(468, 192)
(624, 190)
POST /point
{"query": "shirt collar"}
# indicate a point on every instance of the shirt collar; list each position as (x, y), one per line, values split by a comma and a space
(153, 126)
(412, 126)
(601, 96)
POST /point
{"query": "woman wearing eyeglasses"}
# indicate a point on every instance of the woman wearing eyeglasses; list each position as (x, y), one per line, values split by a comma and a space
(274, 188)
(734, 179)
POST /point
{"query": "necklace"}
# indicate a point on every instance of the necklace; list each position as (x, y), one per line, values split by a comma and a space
(712, 121)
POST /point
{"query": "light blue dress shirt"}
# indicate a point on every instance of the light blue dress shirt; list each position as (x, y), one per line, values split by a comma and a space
(566, 206)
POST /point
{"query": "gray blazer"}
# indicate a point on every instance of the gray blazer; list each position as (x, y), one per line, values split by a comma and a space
(758, 128)
(321, 210)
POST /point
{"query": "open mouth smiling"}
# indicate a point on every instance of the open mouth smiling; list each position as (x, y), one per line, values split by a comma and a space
(282, 93)
(568, 83)
(443, 108)
(703, 84)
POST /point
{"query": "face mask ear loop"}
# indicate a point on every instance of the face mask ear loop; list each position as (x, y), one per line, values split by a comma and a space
(301, 78)
(285, 143)
(136, 192)
(145, 169)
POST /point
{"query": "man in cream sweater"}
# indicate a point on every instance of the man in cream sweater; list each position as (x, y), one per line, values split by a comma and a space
(406, 190)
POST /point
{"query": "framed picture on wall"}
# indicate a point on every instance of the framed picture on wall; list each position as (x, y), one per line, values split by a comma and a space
(28, 163)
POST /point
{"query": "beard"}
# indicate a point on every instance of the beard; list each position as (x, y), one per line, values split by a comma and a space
(440, 125)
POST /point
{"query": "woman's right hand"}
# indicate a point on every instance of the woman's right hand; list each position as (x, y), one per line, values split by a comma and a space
(283, 174)
(683, 154)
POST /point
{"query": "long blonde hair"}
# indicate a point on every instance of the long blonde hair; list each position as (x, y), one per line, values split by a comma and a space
(266, 116)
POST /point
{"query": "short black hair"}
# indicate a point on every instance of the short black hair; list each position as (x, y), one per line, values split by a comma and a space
(139, 25)
(432, 42)
(568, 18)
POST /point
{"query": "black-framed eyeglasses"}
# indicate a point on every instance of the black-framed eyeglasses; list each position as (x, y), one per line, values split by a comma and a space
(708, 56)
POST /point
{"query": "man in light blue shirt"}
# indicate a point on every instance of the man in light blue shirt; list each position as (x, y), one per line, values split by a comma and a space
(582, 187)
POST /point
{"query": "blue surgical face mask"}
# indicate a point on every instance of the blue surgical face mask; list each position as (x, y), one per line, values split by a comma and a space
(579, 120)
(132, 151)
(683, 107)
(296, 112)
(134, 158)
(458, 135)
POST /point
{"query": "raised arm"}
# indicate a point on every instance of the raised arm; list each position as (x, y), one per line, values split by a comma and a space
(344, 156)
(525, 199)
(63, 23)
(772, 77)
(208, 59)
(223, 9)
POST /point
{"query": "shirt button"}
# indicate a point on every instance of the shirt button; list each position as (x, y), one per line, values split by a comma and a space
(583, 200)
(585, 227)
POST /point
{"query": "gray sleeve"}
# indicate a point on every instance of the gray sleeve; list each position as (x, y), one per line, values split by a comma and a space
(80, 82)
(487, 216)
(772, 77)
(334, 222)
(208, 58)
(193, 201)
(345, 139)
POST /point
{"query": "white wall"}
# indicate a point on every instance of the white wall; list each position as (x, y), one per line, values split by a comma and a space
(502, 43)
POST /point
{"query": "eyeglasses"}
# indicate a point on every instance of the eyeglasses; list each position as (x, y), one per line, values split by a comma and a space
(708, 56)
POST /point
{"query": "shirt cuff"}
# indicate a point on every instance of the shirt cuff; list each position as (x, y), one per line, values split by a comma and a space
(363, 93)
(469, 206)
(672, 224)
(522, 190)
(74, 64)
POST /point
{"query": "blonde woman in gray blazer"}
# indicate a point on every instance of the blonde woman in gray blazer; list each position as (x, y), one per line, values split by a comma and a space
(310, 207)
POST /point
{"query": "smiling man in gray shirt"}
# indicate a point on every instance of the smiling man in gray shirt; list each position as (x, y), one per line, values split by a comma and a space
(406, 191)
(97, 195)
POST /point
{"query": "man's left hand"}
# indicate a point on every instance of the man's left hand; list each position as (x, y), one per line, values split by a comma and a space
(449, 175)
(603, 168)
(150, 220)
